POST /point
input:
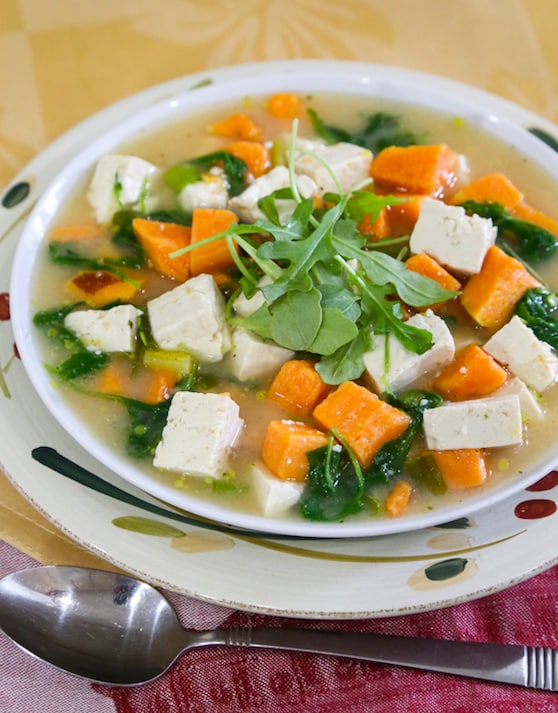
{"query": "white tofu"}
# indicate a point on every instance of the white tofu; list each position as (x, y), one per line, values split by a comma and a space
(530, 406)
(199, 434)
(211, 193)
(124, 182)
(480, 423)
(274, 496)
(526, 356)
(105, 330)
(245, 306)
(349, 162)
(245, 205)
(405, 366)
(252, 359)
(456, 240)
(301, 146)
(191, 317)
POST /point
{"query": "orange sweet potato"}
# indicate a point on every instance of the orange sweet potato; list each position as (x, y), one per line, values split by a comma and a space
(237, 126)
(532, 215)
(98, 288)
(285, 447)
(159, 240)
(380, 228)
(490, 295)
(298, 387)
(427, 170)
(284, 105)
(160, 386)
(110, 381)
(403, 216)
(473, 373)
(425, 265)
(215, 256)
(462, 468)
(398, 498)
(254, 154)
(363, 420)
(492, 188)
(75, 233)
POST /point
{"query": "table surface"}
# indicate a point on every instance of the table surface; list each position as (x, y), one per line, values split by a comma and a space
(63, 60)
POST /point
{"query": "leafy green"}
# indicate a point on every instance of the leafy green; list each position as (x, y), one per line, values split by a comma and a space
(335, 488)
(379, 131)
(146, 424)
(537, 308)
(190, 171)
(391, 458)
(81, 361)
(530, 241)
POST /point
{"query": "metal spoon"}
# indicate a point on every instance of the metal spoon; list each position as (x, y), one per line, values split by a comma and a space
(113, 629)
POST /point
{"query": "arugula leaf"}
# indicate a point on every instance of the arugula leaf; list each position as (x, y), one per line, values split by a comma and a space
(537, 308)
(346, 363)
(531, 242)
(380, 131)
(296, 318)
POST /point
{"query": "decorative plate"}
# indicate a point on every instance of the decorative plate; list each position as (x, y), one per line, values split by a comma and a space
(327, 578)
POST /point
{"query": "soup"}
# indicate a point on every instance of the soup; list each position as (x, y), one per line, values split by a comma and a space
(338, 329)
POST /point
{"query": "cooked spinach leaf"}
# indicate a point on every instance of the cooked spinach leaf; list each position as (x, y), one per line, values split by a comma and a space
(538, 308)
(379, 131)
(529, 241)
(190, 171)
(147, 422)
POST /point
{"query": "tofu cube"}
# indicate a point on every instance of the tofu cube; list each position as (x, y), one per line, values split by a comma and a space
(530, 406)
(105, 330)
(453, 238)
(517, 347)
(191, 317)
(245, 205)
(273, 496)
(245, 306)
(349, 162)
(199, 434)
(480, 423)
(252, 359)
(124, 182)
(405, 366)
(212, 193)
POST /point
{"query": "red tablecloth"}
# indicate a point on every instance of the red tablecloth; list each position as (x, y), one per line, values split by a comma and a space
(228, 680)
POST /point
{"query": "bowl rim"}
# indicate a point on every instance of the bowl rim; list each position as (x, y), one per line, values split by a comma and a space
(339, 78)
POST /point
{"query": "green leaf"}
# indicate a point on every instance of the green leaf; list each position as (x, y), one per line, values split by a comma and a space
(179, 176)
(335, 331)
(346, 364)
(537, 308)
(296, 318)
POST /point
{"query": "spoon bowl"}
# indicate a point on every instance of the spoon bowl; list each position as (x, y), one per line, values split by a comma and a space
(112, 629)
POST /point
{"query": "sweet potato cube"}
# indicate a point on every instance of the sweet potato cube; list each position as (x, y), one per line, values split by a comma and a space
(363, 420)
(398, 498)
(403, 216)
(379, 228)
(425, 265)
(215, 256)
(492, 188)
(491, 295)
(159, 239)
(462, 468)
(472, 374)
(285, 447)
(285, 105)
(427, 170)
(255, 155)
(237, 126)
(524, 211)
(160, 387)
(298, 387)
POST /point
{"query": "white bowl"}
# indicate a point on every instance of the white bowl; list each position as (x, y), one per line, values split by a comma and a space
(480, 109)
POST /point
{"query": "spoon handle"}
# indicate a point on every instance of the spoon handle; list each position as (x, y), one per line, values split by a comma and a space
(529, 666)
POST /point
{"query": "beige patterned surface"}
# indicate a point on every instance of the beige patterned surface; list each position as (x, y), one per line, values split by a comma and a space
(61, 60)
